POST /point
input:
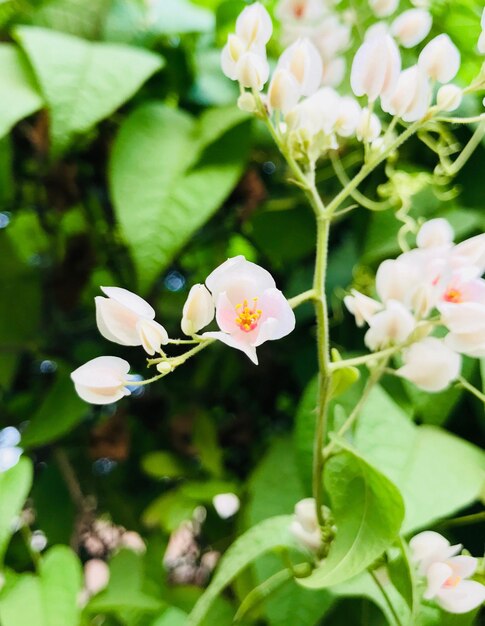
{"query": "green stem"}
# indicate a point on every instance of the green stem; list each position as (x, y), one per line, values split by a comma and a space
(387, 599)
(461, 120)
(372, 205)
(467, 151)
(474, 518)
(471, 388)
(260, 593)
(301, 298)
(34, 555)
(364, 359)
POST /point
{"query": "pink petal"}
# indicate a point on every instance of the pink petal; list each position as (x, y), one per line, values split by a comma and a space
(233, 342)
(437, 575)
(466, 596)
(237, 277)
(116, 322)
(463, 566)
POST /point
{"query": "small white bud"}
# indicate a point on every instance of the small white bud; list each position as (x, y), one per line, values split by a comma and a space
(252, 71)
(254, 25)
(164, 367)
(368, 127)
(305, 526)
(132, 541)
(152, 335)
(411, 27)
(440, 59)
(303, 60)
(96, 576)
(383, 8)
(226, 504)
(247, 102)
(230, 55)
(375, 68)
(283, 92)
(198, 310)
(435, 233)
(449, 97)
(411, 97)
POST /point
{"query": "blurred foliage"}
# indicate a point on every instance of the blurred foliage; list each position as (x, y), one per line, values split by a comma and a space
(123, 161)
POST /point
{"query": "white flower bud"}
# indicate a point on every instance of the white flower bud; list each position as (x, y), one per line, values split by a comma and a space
(348, 116)
(300, 10)
(198, 310)
(230, 55)
(305, 526)
(96, 576)
(252, 71)
(411, 27)
(102, 380)
(164, 367)
(152, 335)
(333, 72)
(440, 59)
(254, 25)
(383, 8)
(389, 327)
(361, 306)
(132, 541)
(283, 92)
(226, 504)
(411, 97)
(379, 29)
(375, 68)
(430, 365)
(247, 102)
(435, 233)
(331, 36)
(449, 97)
(304, 62)
(368, 127)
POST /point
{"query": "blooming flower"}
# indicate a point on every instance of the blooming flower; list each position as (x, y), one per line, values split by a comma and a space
(9, 451)
(304, 63)
(391, 326)
(430, 364)
(127, 319)
(361, 306)
(249, 308)
(446, 574)
(305, 526)
(102, 380)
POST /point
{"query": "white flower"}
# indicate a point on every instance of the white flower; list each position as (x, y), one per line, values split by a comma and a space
(249, 308)
(430, 364)
(411, 27)
(449, 97)
(449, 587)
(397, 279)
(378, 29)
(252, 71)
(230, 55)
(375, 68)
(9, 451)
(198, 310)
(283, 92)
(391, 326)
(226, 504)
(368, 127)
(304, 62)
(127, 319)
(305, 526)
(254, 25)
(430, 547)
(435, 233)
(411, 96)
(96, 576)
(466, 322)
(361, 306)
(383, 8)
(470, 252)
(102, 380)
(481, 39)
(440, 59)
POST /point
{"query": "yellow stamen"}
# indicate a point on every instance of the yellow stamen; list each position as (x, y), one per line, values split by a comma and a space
(247, 318)
(453, 295)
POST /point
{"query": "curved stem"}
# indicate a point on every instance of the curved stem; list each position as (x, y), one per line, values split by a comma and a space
(387, 599)
(471, 388)
(372, 205)
(301, 298)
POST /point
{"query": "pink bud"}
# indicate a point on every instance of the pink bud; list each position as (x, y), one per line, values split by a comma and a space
(440, 59)
(375, 68)
(411, 27)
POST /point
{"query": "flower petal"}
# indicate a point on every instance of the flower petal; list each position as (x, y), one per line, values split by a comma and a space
(102, 395)
(116, 322)
(9, 437)
(463, 566)
(152, 335)
(103, 371)
(9, 457)
(234, 342)
(466, 596)
(237, 275)
(278, 318)
(130, 300)
(437, 574)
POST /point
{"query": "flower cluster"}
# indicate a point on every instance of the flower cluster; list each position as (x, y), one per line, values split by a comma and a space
(241, 295)
(435, 284)
(447, 575)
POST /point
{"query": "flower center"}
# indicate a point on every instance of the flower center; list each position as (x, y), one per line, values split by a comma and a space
(247, 318)
(453, 295)
(299, 9)
(452, 582)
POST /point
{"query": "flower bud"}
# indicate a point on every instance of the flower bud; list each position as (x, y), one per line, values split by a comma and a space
(198, 310)
(152, 335)
(411, 27)
(375, 68)
(368, 127)
(254, 25)
(164, 367)
(226, 504)
(449, 97)
(331, 36)
(300, 10)
(305, 524)
(304, 62)
(379, 29)
(411, 96)
(430, 365)
(283, 92)
(230, 55)
(361, 306)
(440, 59)
(247, 102)
(383, 8)
(435, 233)
(252, 71)
(102, 380)
(389, 327)
(96, 576)
(348, 116)
(132, 541)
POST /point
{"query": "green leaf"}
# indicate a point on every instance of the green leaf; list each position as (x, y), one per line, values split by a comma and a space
(179, 16)
(162, 464)
(59, 413)
(364, 529)
(62, 580)
(82, 82)
(15, 485)
(437, 473)
(171, 617)
(20, 95)
(167, 178)
(169, 510)
(76, 17)
(268, 535)
(21, 602)
(342, 378)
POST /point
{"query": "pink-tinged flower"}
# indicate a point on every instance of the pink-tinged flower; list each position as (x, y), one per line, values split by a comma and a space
(435, 233)
(361, 306)
(449, 97)
(249, 308)
(283, 92)
(198, 310)
(430, 365)
(306, 11)
(440, 59)
(430, 547)
(470, 253)
(254, 25)
(96, 576)
(304, 526)
(466, 322)
(389, 327)
(449, 586)
(383, 8)
(376, 67)
(102, 380)
(411, 96)
(305, 64)
(411, 27)
(127, 319)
